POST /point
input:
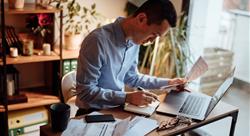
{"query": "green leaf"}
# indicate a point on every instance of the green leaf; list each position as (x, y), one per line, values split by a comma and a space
(92, 13)
(85, 10)
(78, 7)
(93, 6)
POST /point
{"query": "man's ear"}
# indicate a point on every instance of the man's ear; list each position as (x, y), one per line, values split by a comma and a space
(142, 18)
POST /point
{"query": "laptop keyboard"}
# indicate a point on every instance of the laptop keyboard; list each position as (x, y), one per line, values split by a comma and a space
(192, 105)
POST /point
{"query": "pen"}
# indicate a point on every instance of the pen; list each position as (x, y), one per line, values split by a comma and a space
(142, 89)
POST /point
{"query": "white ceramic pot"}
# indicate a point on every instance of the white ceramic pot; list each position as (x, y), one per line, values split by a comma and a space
(72, 41)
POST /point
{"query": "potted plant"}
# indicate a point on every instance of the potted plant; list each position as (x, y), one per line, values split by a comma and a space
(77, 21)
(170, 55)
(40, 26)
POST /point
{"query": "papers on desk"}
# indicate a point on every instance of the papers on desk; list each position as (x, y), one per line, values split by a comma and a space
(141, 126)
(138, 126)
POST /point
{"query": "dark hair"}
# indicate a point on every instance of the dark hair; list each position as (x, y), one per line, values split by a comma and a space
(157, 11)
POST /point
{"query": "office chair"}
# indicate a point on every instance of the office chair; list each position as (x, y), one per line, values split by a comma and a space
(68, 88)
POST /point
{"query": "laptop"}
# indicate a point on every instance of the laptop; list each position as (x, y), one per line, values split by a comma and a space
(195, 105)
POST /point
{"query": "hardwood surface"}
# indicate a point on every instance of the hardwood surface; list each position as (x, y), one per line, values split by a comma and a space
(221, 111)
(34, 100)
(30, 8)
(68, 54)
(31, 59)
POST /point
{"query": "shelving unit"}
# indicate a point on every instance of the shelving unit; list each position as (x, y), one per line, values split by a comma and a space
(30, 8)
(36, 96)
(2, 109)
(31, 59)
(34, 100)
(69, 54)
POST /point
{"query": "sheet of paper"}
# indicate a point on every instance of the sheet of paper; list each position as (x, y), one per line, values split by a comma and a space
(121, 127)
(75, 128)
(99, 129)
(141, 126)
(197, 70)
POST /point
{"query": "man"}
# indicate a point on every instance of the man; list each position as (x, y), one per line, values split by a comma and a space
(109, 56)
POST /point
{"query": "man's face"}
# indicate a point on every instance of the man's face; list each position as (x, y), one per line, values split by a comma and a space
(147, 33)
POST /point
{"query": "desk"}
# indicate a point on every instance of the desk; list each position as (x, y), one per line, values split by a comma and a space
(222, 110)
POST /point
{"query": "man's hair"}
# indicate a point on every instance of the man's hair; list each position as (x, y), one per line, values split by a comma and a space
(157, 11)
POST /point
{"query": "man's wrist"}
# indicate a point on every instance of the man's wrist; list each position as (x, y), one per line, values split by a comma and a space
(127, 98)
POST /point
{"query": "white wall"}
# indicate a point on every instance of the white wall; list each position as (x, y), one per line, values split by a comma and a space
(109, 8)
(240, 46)
(196, 25)
(204, 31)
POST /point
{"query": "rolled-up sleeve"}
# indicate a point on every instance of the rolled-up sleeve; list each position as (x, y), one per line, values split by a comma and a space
(90, 61)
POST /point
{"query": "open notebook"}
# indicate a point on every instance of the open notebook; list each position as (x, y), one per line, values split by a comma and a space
(147, 110)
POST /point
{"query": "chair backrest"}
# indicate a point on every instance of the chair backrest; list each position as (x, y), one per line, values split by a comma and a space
(68, 85)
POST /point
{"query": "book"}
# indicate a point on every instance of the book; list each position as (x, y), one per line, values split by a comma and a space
(145, 110)
(26, 117)
(27, 130)
(66, 66)
(73, 64)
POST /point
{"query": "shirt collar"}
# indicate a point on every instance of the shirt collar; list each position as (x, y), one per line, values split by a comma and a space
(120, 35)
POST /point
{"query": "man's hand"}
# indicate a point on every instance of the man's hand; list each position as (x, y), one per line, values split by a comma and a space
(177, 81)
(180, 83)
(140, 98)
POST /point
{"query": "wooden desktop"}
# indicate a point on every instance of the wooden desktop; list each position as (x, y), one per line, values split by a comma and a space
(222, 110)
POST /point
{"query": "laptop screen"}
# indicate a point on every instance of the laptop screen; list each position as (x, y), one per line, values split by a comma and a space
(221, 91)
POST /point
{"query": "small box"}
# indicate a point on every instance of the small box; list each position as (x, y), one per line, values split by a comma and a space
(73, 64)
(66, 66)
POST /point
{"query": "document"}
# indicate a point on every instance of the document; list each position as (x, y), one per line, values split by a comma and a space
(78, 127)
(121, 127)
(75, 128)
(199, 68)
(141, 126)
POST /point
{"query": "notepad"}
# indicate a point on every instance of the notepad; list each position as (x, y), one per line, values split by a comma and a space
(147, 110)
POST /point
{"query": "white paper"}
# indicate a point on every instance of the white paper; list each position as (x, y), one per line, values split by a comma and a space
(199, 68)
(99, 129)
(75, 128)
(121, 127)
(78, 127)
(141, 126)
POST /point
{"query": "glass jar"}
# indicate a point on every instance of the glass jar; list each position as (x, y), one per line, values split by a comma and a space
(28, 46)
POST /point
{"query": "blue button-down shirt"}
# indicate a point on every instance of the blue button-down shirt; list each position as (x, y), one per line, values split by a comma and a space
(107, 61)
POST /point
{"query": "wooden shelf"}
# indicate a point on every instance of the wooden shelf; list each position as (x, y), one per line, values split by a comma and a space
(34, 100)
(31, 59)
(69, 54)
(30, 8)
(2, 108)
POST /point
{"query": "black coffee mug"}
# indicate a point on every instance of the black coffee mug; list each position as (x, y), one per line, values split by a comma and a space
(59, 115)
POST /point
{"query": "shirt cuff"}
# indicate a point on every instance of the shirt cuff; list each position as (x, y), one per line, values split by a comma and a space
(120, 97)
(162, 82)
